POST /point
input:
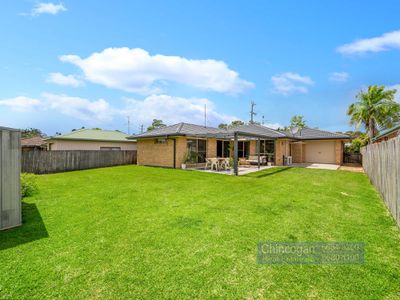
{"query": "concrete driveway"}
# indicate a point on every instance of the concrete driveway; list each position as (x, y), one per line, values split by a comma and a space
(316, 166)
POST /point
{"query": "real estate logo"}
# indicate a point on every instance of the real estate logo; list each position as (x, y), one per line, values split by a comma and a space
(271, 252)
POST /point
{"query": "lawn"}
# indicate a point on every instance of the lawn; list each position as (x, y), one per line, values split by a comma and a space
(137, 232)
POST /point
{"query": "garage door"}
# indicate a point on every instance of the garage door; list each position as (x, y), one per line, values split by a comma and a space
(320, 152)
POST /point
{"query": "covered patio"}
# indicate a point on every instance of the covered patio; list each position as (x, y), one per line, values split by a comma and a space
(243, 161)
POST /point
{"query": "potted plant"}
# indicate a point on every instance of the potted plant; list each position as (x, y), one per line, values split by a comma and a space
(270, 157)
(186, 159)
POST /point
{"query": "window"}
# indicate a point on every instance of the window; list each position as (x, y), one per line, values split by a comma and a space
(110, 148)
(160, 141)
(244, 149)
(223, 148)
(267, 148)
(197, 150)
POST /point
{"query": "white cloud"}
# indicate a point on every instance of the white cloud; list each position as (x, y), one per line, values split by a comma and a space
(47, 8)
(289, 83)
(22, 103)
(168, 108)
(172, 110)
(135, 70)
(80, 108)
(339, 76)
(273, 125)
(387, 41)
(61, 79)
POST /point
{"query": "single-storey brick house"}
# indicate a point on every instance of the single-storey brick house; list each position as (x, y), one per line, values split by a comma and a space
(91, 139)
(167, 146)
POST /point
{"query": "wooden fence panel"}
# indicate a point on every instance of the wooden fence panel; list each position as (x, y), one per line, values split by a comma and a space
(44, 162)
(381, 162)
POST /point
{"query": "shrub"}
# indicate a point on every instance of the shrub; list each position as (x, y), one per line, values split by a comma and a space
(28, 185)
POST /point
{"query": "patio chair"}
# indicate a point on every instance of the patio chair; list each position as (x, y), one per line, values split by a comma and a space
(253, 160)
(214, 163)
(208, 163)
(225, 164)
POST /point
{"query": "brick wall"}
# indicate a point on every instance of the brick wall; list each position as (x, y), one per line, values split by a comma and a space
(338, 152)
(281, 149)
(253, 147)
(181, 149)
(151, 154)
(298, 152)
(211, 147)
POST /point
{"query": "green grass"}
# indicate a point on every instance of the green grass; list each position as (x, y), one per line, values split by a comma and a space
(136, 232)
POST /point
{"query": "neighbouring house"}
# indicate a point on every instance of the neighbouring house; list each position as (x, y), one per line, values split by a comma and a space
(168, 146)
(91, 139)
(33, 143)
(387, 134)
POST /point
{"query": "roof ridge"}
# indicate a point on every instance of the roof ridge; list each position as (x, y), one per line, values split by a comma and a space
(180, 126)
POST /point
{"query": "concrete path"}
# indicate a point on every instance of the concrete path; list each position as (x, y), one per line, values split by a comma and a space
(316, 166)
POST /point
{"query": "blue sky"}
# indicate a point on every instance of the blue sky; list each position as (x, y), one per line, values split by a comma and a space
(69, 64)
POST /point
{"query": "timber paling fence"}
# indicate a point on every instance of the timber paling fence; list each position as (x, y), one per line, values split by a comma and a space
(381, 162)
(44, 162)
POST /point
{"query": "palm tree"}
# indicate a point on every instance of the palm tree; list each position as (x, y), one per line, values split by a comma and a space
(375, 109)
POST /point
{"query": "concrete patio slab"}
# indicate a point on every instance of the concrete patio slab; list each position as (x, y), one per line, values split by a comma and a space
(242, 170)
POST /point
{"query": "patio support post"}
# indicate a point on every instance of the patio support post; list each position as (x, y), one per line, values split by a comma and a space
(258, 152)
(236, 155)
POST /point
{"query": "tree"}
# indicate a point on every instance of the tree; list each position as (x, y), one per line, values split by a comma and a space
(83, 127)
(236, 123)
(233, 124)
(31, 132)
(297, 122)
(375, 108)
(156, 124)
(357, 144)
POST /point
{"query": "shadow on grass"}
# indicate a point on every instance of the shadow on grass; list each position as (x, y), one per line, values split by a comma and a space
(32, 228)
(268, 172)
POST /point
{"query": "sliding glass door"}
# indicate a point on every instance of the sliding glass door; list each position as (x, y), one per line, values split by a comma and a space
(267, 148)
(244, 149)
(197, 150)
(223, 148)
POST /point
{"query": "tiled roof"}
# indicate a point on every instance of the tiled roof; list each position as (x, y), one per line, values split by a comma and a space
(32, 142)
(93, 135)
(183, 129)
(258, 130)
(314, 134)
(250, 130)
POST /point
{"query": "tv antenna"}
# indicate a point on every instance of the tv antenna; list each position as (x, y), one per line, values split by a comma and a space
(252, 112)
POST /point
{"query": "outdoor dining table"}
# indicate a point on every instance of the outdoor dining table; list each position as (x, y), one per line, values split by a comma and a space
(220, 159)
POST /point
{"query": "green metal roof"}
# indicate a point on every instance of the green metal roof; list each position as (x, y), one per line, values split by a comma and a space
(93, 135)
(387, 131)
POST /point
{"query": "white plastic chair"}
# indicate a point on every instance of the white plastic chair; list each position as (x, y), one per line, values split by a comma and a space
(208, 163)
(214, 163)
(225, 164)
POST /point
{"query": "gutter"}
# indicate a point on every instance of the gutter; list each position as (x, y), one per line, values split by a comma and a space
(386, 132)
